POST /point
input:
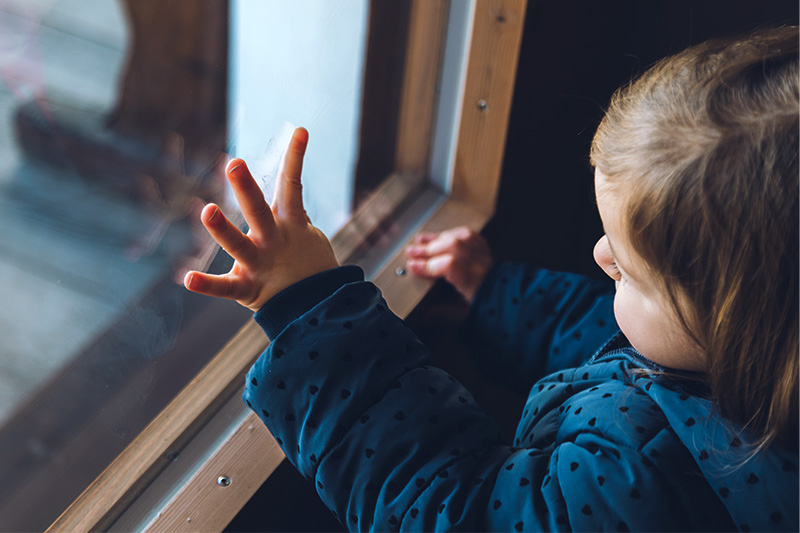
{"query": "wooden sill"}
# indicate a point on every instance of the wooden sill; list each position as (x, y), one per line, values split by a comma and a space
(166, 436)
(247, 453)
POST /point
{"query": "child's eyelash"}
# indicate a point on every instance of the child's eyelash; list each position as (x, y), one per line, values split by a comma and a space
(615, 268)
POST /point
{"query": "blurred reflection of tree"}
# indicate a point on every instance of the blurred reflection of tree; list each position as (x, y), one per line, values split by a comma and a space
(162, 144)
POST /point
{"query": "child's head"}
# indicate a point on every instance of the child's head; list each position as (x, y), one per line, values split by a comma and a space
(699, 159)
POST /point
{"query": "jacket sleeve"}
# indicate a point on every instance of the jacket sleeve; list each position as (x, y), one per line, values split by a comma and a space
(527, 322)
(392, 443)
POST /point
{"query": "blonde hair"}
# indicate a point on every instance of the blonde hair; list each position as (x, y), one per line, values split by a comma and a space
(705, 144)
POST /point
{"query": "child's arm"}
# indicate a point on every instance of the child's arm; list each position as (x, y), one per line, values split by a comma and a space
(346, 389)
(281, 248)
(528, 322)
(524, 322)
(392, 443)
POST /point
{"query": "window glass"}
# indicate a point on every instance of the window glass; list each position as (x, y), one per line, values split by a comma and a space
(46, 240)
(115, 119)
(280, 79)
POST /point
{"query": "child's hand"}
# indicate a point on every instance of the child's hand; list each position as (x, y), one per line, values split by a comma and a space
(281, 247)
(458, 255)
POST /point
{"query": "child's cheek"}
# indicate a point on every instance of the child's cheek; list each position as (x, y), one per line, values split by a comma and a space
(653, 331)
(634, 319)
(621, 312)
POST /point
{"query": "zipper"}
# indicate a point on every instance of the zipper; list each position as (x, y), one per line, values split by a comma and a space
(607, 350)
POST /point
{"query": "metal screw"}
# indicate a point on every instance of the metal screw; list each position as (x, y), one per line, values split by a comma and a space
(223, 481)
(400, 271)
(482, 104)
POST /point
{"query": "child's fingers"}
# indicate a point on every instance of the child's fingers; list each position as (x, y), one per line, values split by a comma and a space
(424, 238)
(417, 267)
(439, 245)
(289, 189)
(435, 267)
(232, 240)
(430, 244)
(414, 251)
(459, 233)
(251, 200)
(445, 243)
(218, 286)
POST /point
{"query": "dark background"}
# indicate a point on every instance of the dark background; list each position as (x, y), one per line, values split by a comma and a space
(574, 54)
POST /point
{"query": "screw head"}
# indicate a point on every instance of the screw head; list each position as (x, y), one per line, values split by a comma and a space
(400, 271)
(223, 481)
(482, 105)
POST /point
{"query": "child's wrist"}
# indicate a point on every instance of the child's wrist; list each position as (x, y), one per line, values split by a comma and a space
(294, 301)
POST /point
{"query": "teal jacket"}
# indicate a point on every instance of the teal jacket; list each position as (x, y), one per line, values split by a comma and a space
(394, 443)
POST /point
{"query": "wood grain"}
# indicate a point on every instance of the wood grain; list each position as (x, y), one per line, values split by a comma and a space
(403, 293)
(143, 459)
(250, 454)
(247, 458)
(139, 463)
(381, 205)
(175, 81)
(488, 91)
(497, 30)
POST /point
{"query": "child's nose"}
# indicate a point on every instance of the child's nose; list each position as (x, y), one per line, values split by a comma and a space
(603, 257)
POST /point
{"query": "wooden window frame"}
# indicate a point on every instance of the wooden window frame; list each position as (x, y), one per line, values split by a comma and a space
(246, 454)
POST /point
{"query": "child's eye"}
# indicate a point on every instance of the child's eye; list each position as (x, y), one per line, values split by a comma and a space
(615, 272)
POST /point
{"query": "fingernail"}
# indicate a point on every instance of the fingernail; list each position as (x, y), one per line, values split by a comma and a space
(216, 210)
(233, 164)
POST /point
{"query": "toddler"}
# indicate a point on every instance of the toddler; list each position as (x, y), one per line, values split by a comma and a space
(666, 401)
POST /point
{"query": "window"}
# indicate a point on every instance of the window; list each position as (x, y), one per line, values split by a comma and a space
(152, 387)
(300, 61)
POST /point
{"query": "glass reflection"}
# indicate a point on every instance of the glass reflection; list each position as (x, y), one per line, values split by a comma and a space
(115, 120)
